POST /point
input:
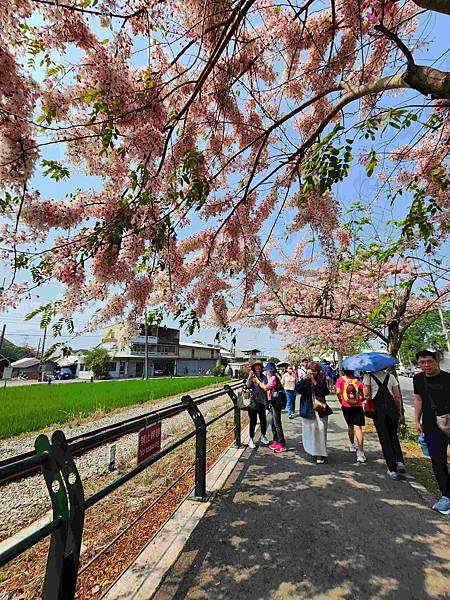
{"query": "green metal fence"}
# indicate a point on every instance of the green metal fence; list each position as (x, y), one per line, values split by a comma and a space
(55, 458)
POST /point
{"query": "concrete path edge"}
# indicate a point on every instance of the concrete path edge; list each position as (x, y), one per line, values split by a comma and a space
(143, 578)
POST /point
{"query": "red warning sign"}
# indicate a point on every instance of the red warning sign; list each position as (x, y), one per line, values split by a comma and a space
(149, 441)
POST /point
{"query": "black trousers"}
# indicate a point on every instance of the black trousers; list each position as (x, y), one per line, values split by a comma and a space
(437, 445)
(386, 426)
(253, 416)
(277, 426)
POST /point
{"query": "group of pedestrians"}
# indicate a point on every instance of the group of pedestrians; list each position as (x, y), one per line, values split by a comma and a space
(377, 396)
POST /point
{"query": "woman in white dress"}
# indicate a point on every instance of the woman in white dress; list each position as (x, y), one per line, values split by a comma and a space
(314, 412)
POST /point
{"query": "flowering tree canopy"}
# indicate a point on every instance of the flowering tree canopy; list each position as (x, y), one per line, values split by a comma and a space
(368, 295)
(184, 129)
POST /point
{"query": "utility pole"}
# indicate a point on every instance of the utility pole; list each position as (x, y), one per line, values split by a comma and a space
(3, 335)
(38, 349)
(42, 355)
(146, 346)
(441, 316)
(444, 328)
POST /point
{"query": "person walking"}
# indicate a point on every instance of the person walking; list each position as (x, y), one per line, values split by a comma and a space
(384, 390)
(431, 401)
(350, 393)
(256, 373)
(274, 390)
(288, 382)
(314, 412)
(303, 369)
(330, 375)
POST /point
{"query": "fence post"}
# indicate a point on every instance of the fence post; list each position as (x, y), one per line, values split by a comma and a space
(199, 492)
(67, 497)
(237, 416)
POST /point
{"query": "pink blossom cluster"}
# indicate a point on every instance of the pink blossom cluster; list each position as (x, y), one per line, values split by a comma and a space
(162, 85)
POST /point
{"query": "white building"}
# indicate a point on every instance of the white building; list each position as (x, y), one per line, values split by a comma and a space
(166, 355)
(242, 359)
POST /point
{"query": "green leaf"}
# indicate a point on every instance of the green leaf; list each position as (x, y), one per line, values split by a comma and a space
(55, 170)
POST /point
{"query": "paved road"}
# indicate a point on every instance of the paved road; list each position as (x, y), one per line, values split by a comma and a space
(406, 385)
(286, 528)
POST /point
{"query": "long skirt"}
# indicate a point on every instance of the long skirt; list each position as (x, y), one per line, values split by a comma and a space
(314, 435)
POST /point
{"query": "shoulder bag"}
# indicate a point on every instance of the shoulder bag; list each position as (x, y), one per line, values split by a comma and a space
(246, 399)
(320, 405)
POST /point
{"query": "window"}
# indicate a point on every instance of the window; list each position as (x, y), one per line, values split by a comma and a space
(162, 349)
(192, 353)
(122, 367)
(81, 368)
(212, 353)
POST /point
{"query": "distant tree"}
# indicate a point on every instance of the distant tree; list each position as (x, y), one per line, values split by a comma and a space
(9, 353)
(243, 372)
(425, 332)
(273, 359)
(12, 352)
(295, 353)
(219, 370)
(97, 361)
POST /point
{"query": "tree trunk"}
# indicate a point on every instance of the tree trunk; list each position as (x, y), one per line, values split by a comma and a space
(393, 338)
(428, 81)
(441, 6)
(339, 361)
(393, 347)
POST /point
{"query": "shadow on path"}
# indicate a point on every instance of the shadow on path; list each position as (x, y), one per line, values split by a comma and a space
(284, 527)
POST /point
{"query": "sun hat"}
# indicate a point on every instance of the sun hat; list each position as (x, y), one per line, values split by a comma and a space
(270, 367)
(257, 362)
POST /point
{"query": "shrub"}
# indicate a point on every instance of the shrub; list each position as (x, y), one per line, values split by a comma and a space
(97, 361)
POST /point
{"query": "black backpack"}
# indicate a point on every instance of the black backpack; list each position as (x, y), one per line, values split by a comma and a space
(384, 401)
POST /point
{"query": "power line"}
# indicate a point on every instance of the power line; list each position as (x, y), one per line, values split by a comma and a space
(26, 334)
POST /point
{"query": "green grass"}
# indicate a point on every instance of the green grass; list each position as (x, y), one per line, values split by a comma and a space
(33, 407)
(417, 465)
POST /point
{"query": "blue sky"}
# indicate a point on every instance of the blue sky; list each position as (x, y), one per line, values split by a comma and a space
(356, 186)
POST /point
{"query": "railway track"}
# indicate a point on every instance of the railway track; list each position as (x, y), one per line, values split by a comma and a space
(84, 442)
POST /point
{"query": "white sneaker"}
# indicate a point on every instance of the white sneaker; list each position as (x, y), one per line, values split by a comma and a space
(393, 475)
(360, 456)
(401, 467)
(442, 505)
(251, 444)
(352, 447)
(264, 440)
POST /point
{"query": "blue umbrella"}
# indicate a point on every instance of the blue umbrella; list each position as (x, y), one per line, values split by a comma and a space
(369, 361)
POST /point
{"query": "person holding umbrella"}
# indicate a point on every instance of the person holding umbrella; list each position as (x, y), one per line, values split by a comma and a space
(349, 391)
(384, 391)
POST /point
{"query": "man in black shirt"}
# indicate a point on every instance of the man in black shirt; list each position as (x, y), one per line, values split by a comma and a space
(432, 397)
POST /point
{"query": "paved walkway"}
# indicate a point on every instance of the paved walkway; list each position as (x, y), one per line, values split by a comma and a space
(286, 528)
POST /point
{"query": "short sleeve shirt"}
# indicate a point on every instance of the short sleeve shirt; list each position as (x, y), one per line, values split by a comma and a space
(260, 394)
(381, 375)
(438, 387)
(288, 381)
(340, 383)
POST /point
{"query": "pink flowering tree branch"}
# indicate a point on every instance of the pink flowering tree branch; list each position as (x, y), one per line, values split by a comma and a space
(175, 137)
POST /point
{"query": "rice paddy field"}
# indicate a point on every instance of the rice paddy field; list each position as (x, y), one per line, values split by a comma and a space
(32, 407)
